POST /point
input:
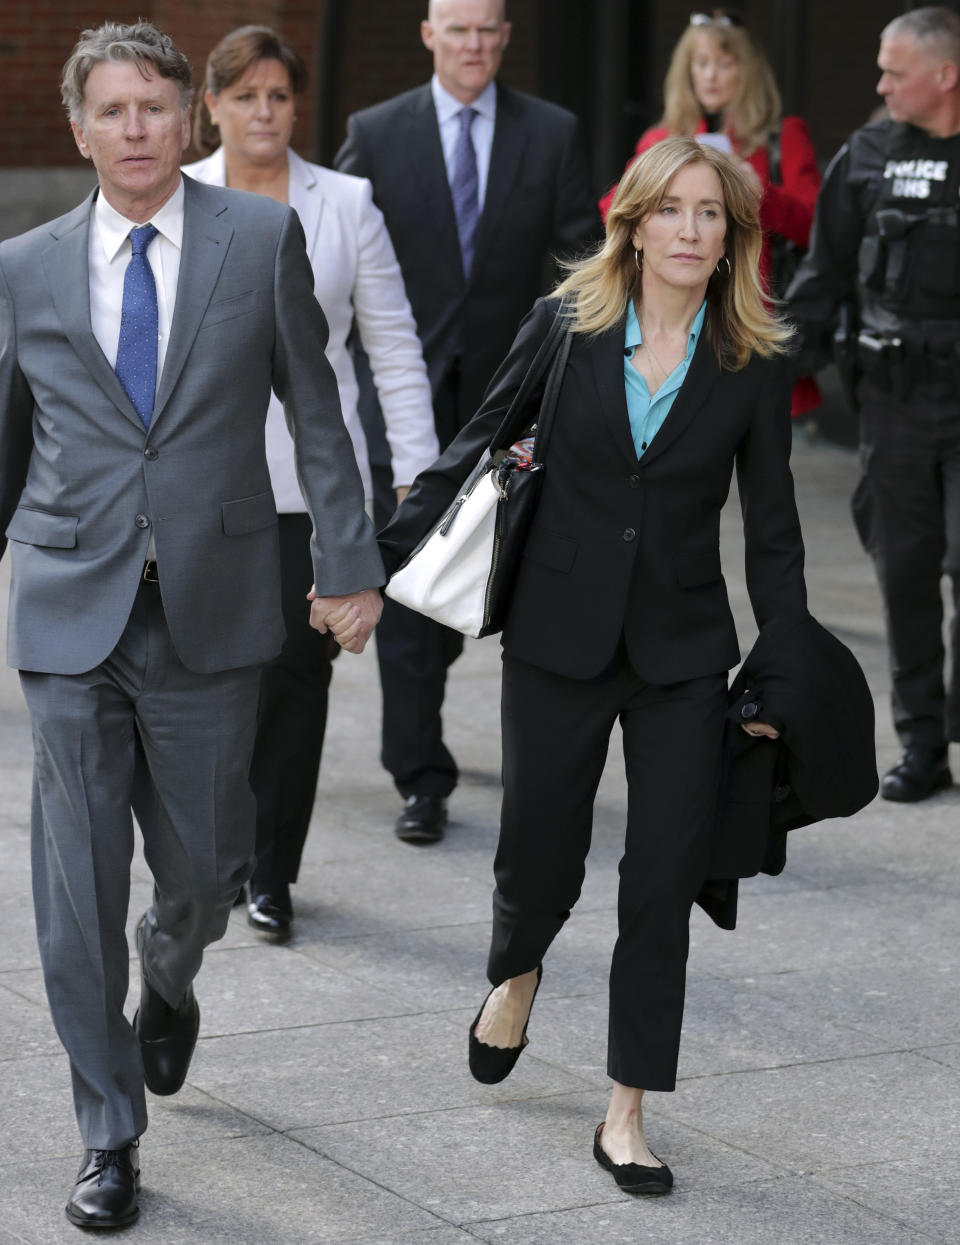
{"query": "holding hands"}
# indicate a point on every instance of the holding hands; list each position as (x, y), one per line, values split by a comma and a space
(350, 619)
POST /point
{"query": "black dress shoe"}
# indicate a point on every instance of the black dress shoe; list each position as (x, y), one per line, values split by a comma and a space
(423, 819)
(105, 1195)
(270, 911)
(633, 1177)
(919, 773)
(491, 1064)
(167, 1034)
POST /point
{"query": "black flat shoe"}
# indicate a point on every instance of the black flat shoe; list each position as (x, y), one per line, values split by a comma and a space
(918, 774)
(633, 1177)
(167, 1035)
(490, 1064)
(105, 1193)
(270, 912)
(423, 819)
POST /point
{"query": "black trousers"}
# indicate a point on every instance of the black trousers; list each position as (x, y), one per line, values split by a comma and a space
(414, 653)
(907, 511)
(556, 733)
(291, 718)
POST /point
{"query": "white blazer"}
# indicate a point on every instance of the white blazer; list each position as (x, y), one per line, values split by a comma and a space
(356, 275)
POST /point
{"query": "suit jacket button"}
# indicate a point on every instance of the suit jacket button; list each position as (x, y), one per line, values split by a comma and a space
(749, 711)
(150, 453)
(634, 481)
(142, 521)
(629, 534)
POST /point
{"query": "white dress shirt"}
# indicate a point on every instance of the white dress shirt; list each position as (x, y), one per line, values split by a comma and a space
(109, 254)
(448, 118)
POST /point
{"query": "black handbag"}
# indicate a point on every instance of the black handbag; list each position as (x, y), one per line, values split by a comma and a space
(462, 572)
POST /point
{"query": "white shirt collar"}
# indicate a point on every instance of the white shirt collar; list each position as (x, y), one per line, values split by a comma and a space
(114, 229)
(448, 105)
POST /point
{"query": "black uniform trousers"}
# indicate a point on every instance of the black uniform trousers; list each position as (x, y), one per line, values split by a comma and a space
(556, 733)
(291, 718)
(907, 511)
(413, 652)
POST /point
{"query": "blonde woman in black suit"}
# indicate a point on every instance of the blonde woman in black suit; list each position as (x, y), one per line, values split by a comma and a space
(620, 611)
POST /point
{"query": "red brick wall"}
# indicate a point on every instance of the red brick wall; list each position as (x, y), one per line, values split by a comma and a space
(381, 54)
(36, 38)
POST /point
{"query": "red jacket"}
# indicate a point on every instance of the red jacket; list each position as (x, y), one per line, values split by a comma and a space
(786, 209)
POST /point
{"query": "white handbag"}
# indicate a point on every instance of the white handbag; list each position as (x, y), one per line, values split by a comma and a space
(447, 579)
(461, 573)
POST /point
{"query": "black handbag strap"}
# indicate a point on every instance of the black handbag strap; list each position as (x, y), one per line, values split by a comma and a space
(551, 394)
(517, 419)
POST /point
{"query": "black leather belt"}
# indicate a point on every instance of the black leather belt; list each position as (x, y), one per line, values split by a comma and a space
(150, 572)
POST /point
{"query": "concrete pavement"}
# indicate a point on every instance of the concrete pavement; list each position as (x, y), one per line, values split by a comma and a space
(329, 1099)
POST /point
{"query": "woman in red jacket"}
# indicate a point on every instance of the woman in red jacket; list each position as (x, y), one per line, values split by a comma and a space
(721, 89)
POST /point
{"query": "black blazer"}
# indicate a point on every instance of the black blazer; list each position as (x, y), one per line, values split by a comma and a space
(628, 548)
(539, 201)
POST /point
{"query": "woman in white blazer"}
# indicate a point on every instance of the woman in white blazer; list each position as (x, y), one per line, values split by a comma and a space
(252, 78)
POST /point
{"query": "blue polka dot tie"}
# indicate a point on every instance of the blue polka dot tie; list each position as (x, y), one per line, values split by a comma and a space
(465, 188)
(137, 349)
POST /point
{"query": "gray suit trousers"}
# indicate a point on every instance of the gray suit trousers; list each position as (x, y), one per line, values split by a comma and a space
(139, 731)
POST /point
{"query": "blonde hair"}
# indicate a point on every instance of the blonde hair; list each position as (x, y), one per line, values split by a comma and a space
(755, 111)
(740, 321)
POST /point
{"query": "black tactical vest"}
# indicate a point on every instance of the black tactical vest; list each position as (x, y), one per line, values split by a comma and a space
(909, 258)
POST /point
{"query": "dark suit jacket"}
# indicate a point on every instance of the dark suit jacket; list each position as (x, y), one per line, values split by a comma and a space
(538, 202)
(621, 548)
(803, 680)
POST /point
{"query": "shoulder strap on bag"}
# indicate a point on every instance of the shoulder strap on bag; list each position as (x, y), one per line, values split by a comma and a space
(551, 394)
(517, 419)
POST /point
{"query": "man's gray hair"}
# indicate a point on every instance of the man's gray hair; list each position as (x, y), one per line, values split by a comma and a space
(141, 42)
(935, 26)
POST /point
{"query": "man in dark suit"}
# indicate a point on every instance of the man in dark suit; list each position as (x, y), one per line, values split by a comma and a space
(480, 187)
(140, 337)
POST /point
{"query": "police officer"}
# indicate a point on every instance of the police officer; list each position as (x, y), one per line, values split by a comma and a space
(886, 242)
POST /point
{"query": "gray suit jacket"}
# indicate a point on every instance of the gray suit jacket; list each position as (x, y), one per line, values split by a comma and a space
(82, 485)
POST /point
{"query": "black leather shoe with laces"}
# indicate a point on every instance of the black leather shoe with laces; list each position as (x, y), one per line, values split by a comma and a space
(105, 1194)
(167, 1034)
(918, 774)
(422, 820)
(270, 911)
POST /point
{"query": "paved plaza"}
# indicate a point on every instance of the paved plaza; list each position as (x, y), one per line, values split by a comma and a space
(329, 1098)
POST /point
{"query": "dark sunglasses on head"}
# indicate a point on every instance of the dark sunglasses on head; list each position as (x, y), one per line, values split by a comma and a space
(718, 15)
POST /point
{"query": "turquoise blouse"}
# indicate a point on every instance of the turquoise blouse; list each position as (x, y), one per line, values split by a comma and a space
(647, 414)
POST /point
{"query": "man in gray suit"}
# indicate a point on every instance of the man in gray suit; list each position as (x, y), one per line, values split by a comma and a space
(140, 337)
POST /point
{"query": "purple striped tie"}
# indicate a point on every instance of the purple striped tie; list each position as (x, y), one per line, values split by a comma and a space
(465, 187)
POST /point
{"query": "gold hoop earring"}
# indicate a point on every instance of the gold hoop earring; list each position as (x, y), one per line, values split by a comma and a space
(726, 260)
(638, 260)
